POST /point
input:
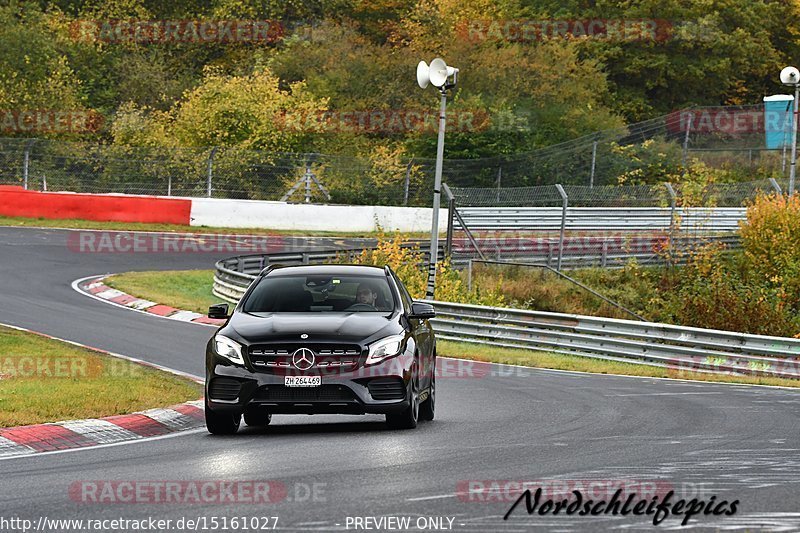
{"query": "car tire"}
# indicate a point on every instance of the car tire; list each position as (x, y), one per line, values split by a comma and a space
(222, 423)
(427, 409)
(257, 417)
(408, 418)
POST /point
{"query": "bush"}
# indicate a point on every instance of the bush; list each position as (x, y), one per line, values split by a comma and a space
(771, 243)
(409, 265)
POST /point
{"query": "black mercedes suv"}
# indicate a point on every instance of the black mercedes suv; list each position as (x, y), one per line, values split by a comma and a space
(321, 339)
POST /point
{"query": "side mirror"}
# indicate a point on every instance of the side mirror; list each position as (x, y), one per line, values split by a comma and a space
(218, 311)
(422, 311)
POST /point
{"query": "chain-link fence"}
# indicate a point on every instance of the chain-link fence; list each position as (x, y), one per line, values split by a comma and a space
(575, 225)
(645, 152)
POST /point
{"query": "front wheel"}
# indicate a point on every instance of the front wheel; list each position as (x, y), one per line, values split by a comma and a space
(427, 409)
(408, 418)
(222, 423)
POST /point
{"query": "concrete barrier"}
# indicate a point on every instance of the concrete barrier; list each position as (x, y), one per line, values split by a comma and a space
(310, 217)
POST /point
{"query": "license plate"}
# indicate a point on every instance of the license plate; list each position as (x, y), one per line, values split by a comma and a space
(302, 381)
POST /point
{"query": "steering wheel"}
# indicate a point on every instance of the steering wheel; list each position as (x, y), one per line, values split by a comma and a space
(361, 307)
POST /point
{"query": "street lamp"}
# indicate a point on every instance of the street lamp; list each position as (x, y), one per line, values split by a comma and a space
(791, 76)
(443, 78)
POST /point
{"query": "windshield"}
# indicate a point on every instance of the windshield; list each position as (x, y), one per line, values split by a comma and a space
(320, 294)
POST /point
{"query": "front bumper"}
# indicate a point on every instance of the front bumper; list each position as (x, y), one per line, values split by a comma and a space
(380, 389)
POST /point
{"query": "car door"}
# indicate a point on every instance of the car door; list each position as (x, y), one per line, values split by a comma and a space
(422, 333)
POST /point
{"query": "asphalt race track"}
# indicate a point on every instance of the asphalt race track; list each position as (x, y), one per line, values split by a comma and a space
(701, 440)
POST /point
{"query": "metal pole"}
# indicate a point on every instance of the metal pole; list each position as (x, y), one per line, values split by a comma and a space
(307, 177)
(209, 173)
(437, 185)
(169, 185)
(451, 207)
(25, 162)
(793, 165)
(775, 186)
(686, 141)
(564, 205)
(673, 201)
(783, 160)
(594, 160)
(408, 181)
(469, 275)
(499, 177)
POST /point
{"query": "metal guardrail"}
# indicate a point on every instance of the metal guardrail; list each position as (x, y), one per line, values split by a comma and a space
(662, 345)
(591, 219)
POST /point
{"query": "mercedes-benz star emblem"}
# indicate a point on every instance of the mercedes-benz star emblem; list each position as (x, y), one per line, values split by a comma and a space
(303, 359)
(304, 336)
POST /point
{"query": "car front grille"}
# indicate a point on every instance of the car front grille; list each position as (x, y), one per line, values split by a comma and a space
(327, 357)
(324, 393)
(225, 389)
(387, 389)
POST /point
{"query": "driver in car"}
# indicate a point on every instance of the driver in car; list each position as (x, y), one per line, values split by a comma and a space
(366, 294)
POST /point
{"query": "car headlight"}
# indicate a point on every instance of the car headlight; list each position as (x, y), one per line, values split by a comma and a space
(384, 349)
(229, 349)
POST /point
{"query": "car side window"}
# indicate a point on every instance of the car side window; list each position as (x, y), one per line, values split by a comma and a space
(404, 296)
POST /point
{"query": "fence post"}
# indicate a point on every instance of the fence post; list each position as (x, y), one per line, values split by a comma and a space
(594, 160)
(451, 207)
(210, 169)
(169, 185)
(673, 201)
(564, 205)
(686, 141)
(499, 177)
(775, 186)
(408, 182)
(469, 275)
(25, 162)
(307, 177)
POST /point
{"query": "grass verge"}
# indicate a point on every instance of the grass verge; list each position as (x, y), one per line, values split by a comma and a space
(44, 380)
(192, 290)
(513, 356)
(182, 289)
(180, 228)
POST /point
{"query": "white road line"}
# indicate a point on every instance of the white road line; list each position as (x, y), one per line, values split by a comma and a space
(125, 443)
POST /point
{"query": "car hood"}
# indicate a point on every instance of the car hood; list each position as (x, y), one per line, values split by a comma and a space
(358, 328)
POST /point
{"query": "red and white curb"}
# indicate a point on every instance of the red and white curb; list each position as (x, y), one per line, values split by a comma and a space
(26, 440)
(93, 286)
(111, 430)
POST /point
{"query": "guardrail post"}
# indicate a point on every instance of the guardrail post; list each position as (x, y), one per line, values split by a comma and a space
(564, 205)
(25, 162)
(673, 201)
(209, 170)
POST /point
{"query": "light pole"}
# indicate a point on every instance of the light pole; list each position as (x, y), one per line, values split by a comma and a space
(437, 74)
(791, 76)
